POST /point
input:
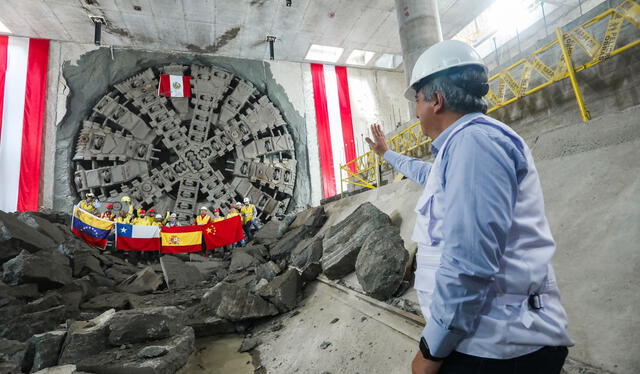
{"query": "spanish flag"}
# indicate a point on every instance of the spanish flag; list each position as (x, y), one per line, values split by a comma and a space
(181, 239)
(92, 229)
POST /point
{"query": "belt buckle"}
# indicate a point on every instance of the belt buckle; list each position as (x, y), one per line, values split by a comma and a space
(535, 301)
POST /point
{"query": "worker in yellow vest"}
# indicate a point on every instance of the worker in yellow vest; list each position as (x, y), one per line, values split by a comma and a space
(216, 215)
(123, 217)
(141, 219)
(90, 204)
(203, 218)
(249, 218)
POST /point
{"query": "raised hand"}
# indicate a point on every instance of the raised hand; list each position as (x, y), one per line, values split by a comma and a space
(378, 144)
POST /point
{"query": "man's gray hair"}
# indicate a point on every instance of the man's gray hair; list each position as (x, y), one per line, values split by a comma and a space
(463, 89)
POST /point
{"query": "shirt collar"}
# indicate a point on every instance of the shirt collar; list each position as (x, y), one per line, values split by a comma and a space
(438, 142)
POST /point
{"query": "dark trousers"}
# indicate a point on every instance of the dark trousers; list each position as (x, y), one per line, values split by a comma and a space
(547, 360)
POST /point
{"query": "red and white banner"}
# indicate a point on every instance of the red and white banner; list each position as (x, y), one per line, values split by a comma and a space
(174, 86)
(23, 86)
(334, 123)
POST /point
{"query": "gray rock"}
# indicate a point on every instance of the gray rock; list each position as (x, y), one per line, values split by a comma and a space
(269, 232)
(118, 301)
(283, 248)
(54, 216)
(204, 324)
(144, 281)
(47, 268)
(235, 303)
(210, 268)
(343, 241)
(178, 274)
(140, 325)
(48, 301)
(313, 217)
(62, 369)
(118, 361)
(85, 262)
(152, 351)
(15, 234)
(116, 275)
(86, 338)
(267, 271)
(194, 257)
(11, 355)
(311, 271)
(382, 261)
(43, 226)
(43, 350)
(23, 326)
(283, 290)
(26, 291)
(306, 257)
(249, 344)
(241, 260)
(261, 283)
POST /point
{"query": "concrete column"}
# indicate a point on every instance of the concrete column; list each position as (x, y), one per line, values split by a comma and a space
(419, 23)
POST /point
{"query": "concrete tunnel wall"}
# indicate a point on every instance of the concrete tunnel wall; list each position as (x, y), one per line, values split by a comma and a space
(590, 174)
(79, 74)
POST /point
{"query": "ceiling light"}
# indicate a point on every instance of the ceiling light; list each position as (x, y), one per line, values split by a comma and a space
(4, 29)
(324, 53)
(388, 61)
(360, 57)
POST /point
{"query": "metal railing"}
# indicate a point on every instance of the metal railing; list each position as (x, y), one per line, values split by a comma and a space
(597, 42)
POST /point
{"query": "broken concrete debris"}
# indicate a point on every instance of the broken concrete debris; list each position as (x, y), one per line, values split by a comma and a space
(68, 307)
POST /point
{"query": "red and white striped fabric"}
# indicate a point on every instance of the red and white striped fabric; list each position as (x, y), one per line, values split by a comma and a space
(334, 123)
(23, 86)
(174, 86)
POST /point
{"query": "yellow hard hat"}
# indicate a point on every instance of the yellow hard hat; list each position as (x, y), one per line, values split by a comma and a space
(126, 199)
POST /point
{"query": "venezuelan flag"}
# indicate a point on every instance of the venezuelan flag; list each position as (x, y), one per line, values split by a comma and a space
(92, 229)
(181, 239)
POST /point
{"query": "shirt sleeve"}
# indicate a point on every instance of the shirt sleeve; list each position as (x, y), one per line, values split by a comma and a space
(480, 184)
(413, 168)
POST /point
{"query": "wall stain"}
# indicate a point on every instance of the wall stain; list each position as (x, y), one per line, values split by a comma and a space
(258, 2)
(220, 42)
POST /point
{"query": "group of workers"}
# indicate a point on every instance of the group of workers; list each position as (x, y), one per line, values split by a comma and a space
(247, 212)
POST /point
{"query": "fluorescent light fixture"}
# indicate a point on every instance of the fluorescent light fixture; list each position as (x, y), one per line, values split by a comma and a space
(360, 57)
(388, 61)
(4, 29)
(324, 53)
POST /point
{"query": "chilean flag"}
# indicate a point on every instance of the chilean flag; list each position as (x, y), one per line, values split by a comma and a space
(336, 142)
(174, 86)
(23, 86)
(137, 237)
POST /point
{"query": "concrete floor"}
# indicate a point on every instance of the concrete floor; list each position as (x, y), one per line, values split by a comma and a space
(363, 337)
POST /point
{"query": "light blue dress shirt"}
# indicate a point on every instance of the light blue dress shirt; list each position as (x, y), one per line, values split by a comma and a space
(481, 168)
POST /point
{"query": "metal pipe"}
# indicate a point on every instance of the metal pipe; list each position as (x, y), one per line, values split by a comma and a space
(572, 76)
(495, 48)
(580, 5)
(544, 17)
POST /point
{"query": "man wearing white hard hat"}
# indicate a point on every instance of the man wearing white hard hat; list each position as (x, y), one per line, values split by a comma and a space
(484, 277)
(249, 218)
(90, 204)
(204, 217)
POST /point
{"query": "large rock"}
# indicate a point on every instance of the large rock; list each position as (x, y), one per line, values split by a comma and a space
(23, 326)
(11, 355)
(62, 369)
(241, 260)
(144, 281)
(283, 248)
(205, 323)
(27, 291)
(235, 303)
(54, 216)
(312, 217)
(306, 257)
(174, 354)
(269, 233)
(382, 262)
(282, 291)
(268, 271)
(16, 235)
(178, 274)
(117, 300)
(140, 325)
(86, 338)
(47, 268)
(48, 301)
(343, 241)
(43, 350)
(85, 262)
(43, 226)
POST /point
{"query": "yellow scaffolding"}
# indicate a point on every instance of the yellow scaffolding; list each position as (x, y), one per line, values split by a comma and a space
(534, 72)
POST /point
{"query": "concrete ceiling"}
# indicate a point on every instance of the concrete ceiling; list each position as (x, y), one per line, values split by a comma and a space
(235, 28)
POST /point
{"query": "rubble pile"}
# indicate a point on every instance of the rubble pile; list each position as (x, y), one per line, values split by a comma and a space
(70, 307)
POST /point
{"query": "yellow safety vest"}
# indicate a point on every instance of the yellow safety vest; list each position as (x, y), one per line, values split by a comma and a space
(233, 214)
(88, 207)
(123, 219)
(107, 215)
(218, 219)
(142, 221)
(202, 220)
(247, 213)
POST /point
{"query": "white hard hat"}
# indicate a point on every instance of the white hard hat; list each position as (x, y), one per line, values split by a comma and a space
(173, 215)
(203, 207)
(90, 194)
(246, 200)
(442, 56)
(158, 215)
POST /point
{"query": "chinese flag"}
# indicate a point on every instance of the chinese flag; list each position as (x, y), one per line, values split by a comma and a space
(181, 239)
(225, 232)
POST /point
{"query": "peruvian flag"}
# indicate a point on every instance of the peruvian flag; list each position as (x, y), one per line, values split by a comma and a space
(174, 86)
(23, 86)
(335, 129)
